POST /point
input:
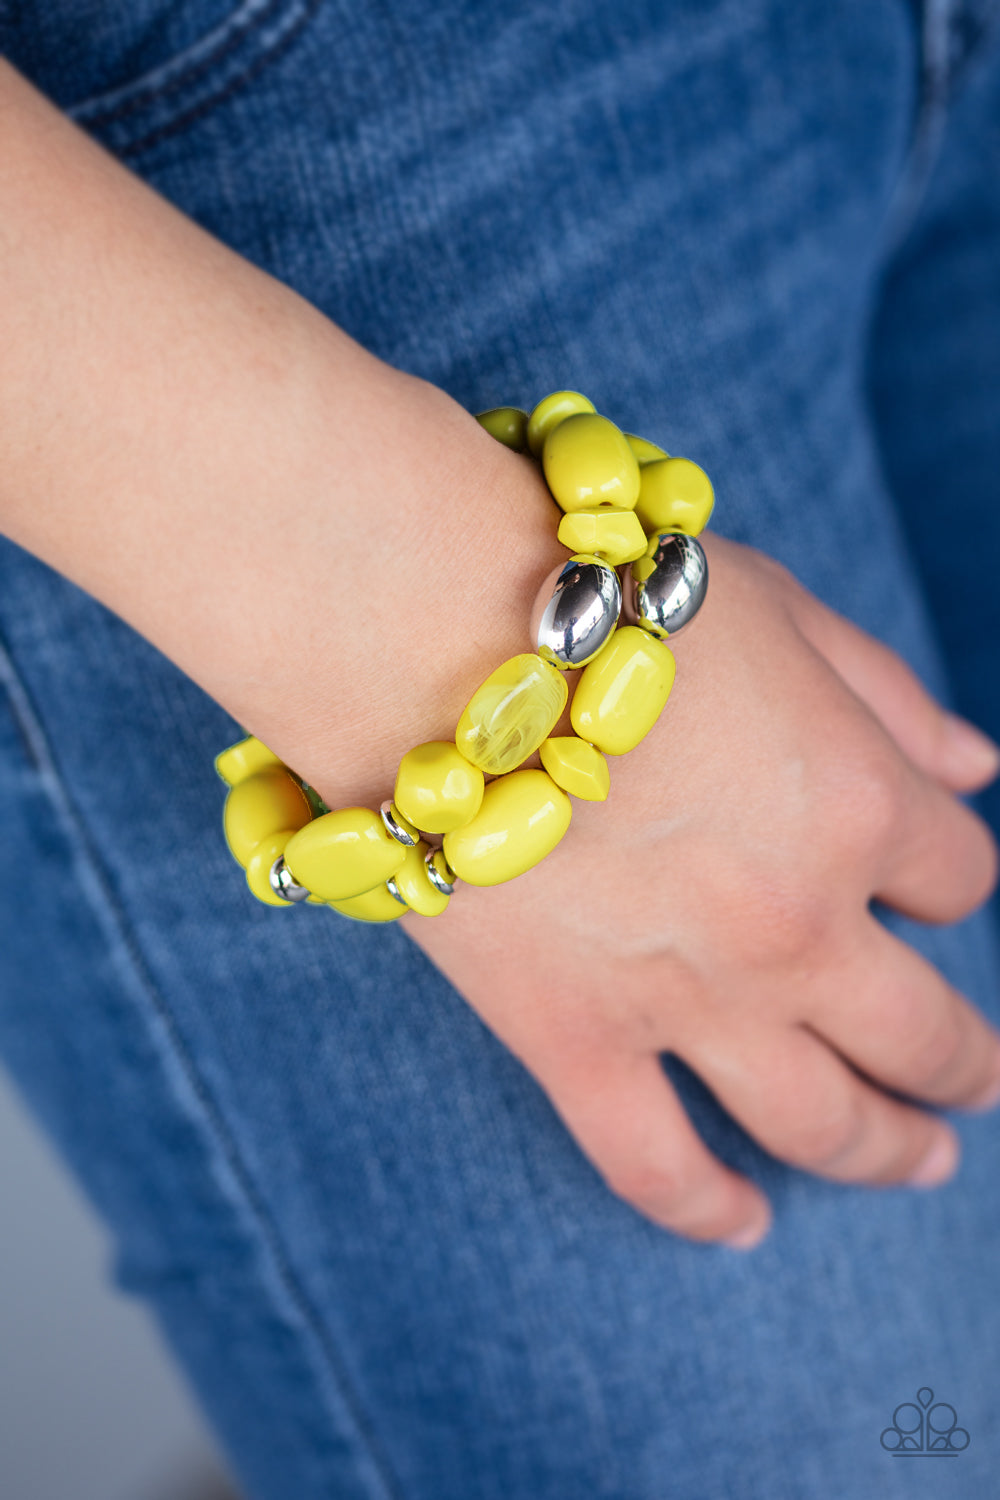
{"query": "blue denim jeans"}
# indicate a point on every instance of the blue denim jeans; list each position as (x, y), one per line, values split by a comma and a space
(768, 234)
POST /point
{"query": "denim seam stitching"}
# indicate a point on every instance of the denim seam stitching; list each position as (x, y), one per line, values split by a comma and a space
(140, 95)
(198, 111)
(61, 800)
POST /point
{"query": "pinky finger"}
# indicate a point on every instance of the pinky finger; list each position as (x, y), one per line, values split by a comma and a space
(626, 1116)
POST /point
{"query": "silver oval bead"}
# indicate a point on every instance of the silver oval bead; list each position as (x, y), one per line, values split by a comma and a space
(282, 884)
(672, 593)
(395, 829)
(437, 880)
(575, 611)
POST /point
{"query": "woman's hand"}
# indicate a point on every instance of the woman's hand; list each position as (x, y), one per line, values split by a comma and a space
(717, 907)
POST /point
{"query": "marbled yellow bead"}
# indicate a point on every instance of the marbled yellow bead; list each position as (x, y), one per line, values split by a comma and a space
(549, 413)
(613, 534)
(588, 462)
(343, 854)
(508, 424)
(523, 817)
(244, 759)
(576, 766)
(437, 789)
(644, 450)
(378, 905)
(620, 695)
(674, 494)
(263, 804)
(259, 868)
(511, 713)
(414, 885)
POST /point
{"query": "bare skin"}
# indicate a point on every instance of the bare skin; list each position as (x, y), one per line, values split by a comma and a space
(205, 453)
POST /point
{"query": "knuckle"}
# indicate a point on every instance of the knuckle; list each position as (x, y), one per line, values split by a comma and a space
(783, 922)
(824, 1139)
(934, 1052)
(869, 814)
(662, 1185)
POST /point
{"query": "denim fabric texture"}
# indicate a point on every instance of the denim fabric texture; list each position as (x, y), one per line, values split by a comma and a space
(769, 235)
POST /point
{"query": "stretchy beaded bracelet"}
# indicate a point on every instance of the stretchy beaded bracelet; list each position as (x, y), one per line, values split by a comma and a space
(461, 810)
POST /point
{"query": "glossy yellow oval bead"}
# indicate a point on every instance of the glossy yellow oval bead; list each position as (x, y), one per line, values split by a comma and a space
(259, 868)
(619, 696)
(523, 817)
(588, 462)
(437, 789)
(508, 424)
(645, 451)
(378, 905)
(550, 412)
(343, 854)
(261, 805)
(414, 885)
(511, 713)
(577, 767)
(674, 494)
(244, 759)
(613, 534)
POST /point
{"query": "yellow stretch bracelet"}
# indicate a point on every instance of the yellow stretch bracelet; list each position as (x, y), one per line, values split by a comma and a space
(461, 809)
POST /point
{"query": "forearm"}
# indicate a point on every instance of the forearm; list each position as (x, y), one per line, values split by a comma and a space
(333, 549)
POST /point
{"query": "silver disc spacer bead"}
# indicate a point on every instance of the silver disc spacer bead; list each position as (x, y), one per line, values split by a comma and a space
(395, 829)
(437, 880)
(393, 890)
(282, 883)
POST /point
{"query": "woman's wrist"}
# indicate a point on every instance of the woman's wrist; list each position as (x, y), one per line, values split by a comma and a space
(330, 547)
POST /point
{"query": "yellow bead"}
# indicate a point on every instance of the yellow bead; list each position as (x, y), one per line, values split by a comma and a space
(244, 759)
(511, 713)
(414, 885)
(343, 854)
(676, 495)
(619, 696)
(508, 424)
(437, 789)
(378, 905)
(588, 462)
(613, 534)
(577, 767)
(644, 450)
(261, 805)
(550, 412)
(523, 817)
(259, 868)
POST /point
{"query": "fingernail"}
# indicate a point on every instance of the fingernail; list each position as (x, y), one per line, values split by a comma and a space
(972, 751)
(750, 1235)
(939, 1163)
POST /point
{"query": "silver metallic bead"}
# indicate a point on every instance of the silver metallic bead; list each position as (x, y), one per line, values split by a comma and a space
(434, 875)
(393, 890)
(394, 827)
(575, 611)
(282, 883)
(673, 590)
